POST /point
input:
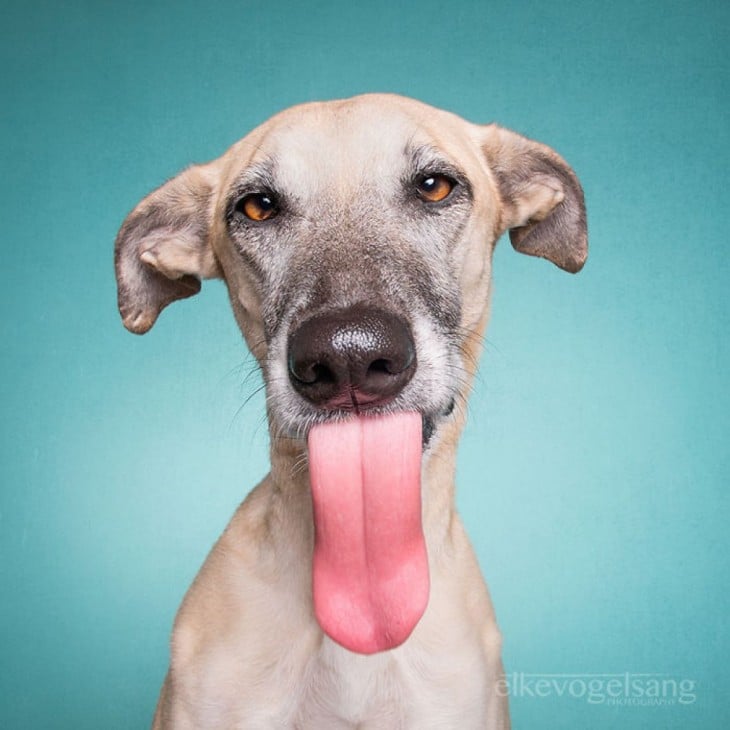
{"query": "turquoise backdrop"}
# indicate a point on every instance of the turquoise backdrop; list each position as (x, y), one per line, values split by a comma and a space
(593, 474)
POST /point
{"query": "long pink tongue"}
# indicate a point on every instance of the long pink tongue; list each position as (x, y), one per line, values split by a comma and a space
(370, 572)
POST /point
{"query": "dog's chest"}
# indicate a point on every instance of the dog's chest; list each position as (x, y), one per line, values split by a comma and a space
(395, 690)
(341, 689)
(333, 689)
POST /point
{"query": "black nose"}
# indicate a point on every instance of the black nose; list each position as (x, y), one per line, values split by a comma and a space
(351, 357)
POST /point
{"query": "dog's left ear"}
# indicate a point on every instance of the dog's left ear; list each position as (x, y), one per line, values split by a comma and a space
(542, 200)
(163, 249)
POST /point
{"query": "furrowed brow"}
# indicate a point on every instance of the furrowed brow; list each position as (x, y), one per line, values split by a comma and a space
(259, 176)
(426, 158)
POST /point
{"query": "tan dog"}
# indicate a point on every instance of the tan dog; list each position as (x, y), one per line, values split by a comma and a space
(355, 238)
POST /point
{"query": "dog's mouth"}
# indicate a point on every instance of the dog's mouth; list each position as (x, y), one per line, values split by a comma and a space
(431, 420)
(370, 567)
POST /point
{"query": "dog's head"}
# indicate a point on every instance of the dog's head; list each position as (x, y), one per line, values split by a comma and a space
(355, 238)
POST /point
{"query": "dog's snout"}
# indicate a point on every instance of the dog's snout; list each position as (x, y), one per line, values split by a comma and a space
(351, 358)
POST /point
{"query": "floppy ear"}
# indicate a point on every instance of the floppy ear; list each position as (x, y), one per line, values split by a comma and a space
(543, 205)
(163, 250)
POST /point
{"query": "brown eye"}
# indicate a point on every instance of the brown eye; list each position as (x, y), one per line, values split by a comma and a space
(258, 206)
(435, 188)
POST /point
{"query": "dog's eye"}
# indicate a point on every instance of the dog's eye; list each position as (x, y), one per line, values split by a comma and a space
(435, 188)
(258, 206)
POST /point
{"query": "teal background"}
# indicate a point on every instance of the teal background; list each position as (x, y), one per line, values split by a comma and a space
(593, 473)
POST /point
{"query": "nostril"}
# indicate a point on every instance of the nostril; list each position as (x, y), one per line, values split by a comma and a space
(310, 373)
(381, 365)
(322, 374)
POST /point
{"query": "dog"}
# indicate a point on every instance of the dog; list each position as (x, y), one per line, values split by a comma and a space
(355, 238)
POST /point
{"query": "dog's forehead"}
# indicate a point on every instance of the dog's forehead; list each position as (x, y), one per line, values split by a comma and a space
(346, 145)
(340, 149)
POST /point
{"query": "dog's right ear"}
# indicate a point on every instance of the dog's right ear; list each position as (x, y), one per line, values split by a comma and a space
(163, 249)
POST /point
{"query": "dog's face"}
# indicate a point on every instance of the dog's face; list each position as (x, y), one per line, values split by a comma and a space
(355, 238)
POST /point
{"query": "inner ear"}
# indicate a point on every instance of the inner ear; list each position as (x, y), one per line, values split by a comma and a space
(542, 201)
(534, 202)
(163, 249)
